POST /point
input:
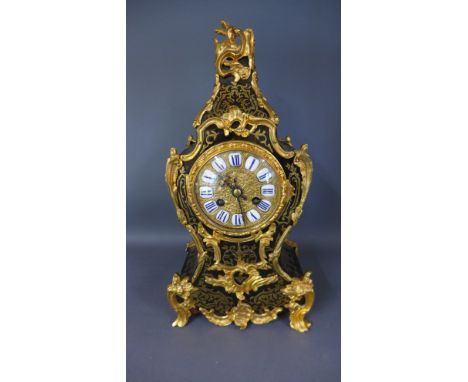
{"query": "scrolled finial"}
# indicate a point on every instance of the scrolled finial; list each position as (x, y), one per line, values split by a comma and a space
(236, 45)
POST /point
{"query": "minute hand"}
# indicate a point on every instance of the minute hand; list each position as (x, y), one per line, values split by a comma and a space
(240, 207)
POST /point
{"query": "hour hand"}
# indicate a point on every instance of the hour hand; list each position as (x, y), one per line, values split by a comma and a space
(224, 180)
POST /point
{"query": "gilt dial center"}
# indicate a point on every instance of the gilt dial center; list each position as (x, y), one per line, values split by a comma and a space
(237, 192)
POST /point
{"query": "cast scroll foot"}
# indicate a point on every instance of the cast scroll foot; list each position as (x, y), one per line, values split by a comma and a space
(301, 298)
(178, 294)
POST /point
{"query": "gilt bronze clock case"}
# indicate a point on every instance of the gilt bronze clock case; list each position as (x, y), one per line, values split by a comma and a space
(239, 190)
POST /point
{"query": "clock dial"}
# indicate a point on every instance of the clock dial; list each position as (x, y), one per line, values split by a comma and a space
(238, 190)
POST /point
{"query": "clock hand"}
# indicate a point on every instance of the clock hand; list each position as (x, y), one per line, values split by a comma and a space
(237, 193)
(225, 180)
(236, 186)
(222, 180)
(240, 207)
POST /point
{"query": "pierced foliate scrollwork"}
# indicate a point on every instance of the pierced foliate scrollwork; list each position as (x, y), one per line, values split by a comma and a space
(229, 51)
(242, 278)
(240, 315)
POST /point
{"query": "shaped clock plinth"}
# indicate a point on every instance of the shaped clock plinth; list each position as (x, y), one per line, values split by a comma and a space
(239, 190)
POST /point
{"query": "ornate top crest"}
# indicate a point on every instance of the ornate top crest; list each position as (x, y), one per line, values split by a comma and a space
(236, 78)
(237, 45)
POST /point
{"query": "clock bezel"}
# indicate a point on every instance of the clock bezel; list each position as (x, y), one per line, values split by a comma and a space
(250, 148)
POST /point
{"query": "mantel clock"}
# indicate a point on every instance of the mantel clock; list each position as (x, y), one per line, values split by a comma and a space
(238, 190)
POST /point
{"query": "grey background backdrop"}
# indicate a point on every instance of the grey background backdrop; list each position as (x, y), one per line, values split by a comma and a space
(170, 74)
